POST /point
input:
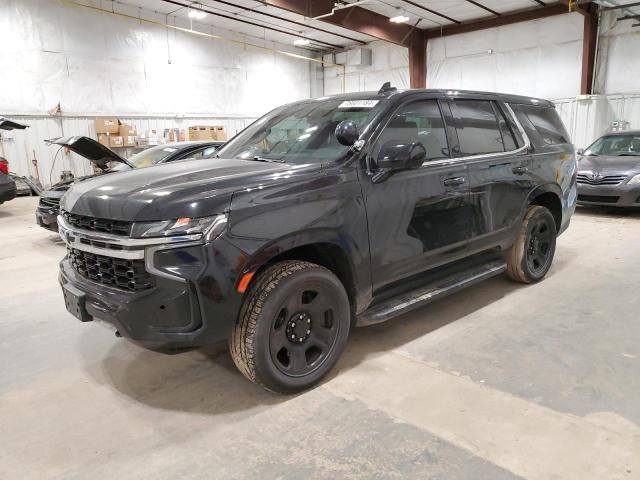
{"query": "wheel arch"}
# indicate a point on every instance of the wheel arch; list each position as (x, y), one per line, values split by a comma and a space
(323, 247)
(548, 196)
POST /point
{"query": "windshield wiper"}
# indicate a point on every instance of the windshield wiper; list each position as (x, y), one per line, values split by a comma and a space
(629, 154)
(263, 159)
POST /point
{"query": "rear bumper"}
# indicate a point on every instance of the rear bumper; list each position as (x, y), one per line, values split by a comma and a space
(8, 192)
(612, 196)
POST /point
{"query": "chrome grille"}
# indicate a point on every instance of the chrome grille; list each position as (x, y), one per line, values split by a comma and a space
(113, 227)
(120, 273)
(597, 179)
(49, 202)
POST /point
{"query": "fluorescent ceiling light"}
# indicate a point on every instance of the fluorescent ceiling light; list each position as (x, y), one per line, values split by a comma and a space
(197, 14)
(301, 42)
(399, 19)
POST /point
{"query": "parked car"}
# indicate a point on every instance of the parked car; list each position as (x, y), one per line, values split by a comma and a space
(322, 215)
(109, 161)
(609, 171)
(8, 189)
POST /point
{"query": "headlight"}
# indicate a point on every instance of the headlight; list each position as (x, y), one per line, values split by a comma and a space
(635, 180)
(209, 227)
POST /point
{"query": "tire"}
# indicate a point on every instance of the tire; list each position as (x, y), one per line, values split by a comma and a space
(292, 326)
(530, 257)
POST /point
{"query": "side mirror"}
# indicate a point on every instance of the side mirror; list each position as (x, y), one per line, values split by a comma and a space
(347, 133)
(401, 156)
(580, 151)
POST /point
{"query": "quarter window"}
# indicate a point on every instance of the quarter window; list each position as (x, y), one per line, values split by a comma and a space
(419, 121)
(478, 129)
(547, 123)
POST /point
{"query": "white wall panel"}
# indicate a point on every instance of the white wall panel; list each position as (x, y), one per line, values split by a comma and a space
(98, 63)
(539, 58)
(95, 63)
(389, 63)
(618, 61)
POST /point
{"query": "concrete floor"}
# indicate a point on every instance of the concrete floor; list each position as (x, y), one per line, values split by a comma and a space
(500, 381)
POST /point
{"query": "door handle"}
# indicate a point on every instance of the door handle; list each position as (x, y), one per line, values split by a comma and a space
(450, 182)
(520, 170)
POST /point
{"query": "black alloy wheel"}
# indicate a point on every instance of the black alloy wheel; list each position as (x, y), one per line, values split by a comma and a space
(304, 330)
(292, 327)
(539, 245)
(530, 257)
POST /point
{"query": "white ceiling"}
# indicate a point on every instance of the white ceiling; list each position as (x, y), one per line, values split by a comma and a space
(324, 36)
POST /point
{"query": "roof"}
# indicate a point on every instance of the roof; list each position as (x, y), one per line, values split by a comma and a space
(623, 132)
(506, 97)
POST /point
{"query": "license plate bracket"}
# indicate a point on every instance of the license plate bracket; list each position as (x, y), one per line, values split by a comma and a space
(74, 300)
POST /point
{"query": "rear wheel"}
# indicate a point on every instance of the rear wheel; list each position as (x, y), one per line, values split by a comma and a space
(530, 257)
(292, 327)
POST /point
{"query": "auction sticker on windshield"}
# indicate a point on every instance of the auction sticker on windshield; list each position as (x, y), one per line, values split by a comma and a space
(358, 104)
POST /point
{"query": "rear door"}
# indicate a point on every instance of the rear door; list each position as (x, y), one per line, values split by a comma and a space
(417, 218)
(498, 167)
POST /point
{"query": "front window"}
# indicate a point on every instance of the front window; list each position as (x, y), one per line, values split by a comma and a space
(300, 133)
(615, 145)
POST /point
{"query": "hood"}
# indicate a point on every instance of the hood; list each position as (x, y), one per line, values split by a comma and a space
(6, 124)
(90, 149)
(622, 165)
(190, 188)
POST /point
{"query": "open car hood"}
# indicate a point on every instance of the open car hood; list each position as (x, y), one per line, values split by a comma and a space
(6, 124)
(90, 149)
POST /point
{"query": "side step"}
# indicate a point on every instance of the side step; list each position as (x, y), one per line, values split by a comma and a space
(437, 289)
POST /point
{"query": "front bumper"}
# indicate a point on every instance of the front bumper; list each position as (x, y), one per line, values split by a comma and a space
(192, 302)
(47, 217)
(612, 196)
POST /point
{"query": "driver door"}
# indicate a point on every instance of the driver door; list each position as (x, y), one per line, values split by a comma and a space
(418, 218)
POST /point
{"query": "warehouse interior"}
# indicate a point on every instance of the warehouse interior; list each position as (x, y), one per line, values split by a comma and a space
(496, 381)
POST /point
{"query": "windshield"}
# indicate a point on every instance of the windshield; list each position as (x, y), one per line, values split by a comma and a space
(300, 133)
(615, 145)
(147, 158)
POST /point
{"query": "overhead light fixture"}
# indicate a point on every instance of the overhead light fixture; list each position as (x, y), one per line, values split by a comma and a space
(399, 19)
(197, 14)
(301, 42)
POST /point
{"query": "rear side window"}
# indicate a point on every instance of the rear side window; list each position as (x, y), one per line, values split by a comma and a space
(481, 128)
(547, 123)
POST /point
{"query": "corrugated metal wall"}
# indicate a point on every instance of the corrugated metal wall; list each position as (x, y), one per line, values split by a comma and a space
(21, 146)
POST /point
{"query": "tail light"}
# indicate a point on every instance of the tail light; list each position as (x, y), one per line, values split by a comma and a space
(4, 166)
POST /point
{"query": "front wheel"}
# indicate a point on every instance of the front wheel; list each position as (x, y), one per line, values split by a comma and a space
(292, 327)
(530, 257)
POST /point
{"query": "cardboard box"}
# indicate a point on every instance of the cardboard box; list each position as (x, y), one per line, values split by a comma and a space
(127, 130)
(115, 141)
(107, 125)
(220, 133)
(103, 138)
(129, 141)
(202, 132)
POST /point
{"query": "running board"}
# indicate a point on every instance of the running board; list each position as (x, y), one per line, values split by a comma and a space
(437, 289)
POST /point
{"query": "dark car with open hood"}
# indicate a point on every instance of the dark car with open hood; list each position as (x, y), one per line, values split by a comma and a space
(609, 171)
(322, 215)
(108, 161)
(8, 189)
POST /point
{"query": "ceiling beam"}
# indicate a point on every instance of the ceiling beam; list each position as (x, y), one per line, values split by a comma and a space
(355, 18)
(504, 19)
(294, 22)
(581, 8)
(484, 7)
(246, 22)
(432, 12)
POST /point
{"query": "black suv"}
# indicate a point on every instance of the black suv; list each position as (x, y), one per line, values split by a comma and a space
(323, 215)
